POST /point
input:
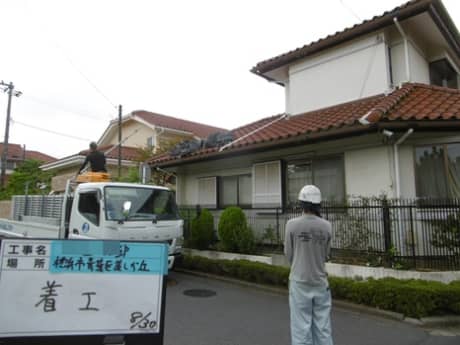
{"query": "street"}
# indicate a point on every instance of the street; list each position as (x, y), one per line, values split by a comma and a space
(213, 312)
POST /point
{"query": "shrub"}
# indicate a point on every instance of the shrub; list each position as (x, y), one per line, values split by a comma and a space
(414, 298)
(202, 230)
(234, 233)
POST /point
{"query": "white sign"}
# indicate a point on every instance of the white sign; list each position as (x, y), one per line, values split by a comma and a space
(80, 287)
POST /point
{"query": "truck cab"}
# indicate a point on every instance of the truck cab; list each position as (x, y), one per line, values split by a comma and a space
(123, 211)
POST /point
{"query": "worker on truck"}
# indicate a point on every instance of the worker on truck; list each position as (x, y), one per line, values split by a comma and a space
(95, 158)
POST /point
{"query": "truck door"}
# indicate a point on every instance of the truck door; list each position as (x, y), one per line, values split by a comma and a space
(85, 219)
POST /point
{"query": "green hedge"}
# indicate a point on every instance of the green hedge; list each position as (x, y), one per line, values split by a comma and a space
(413, 298)
(202, 230)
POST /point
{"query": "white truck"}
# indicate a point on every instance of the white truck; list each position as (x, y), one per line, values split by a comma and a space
(101, 210)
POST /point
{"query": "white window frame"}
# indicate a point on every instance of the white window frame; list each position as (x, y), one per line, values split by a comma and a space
(266, 198)
(207, 201)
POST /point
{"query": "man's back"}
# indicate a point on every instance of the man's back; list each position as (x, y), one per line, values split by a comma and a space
(97, 161)
(307, 246)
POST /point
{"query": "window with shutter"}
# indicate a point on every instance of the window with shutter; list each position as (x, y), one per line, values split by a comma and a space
(267, 184)
(207, 192)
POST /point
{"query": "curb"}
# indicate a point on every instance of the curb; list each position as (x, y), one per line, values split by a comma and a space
(432, 321)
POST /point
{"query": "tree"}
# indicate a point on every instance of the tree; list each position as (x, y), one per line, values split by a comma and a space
(29, 175)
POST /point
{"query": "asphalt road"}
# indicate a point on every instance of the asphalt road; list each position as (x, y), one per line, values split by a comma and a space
(239, 315)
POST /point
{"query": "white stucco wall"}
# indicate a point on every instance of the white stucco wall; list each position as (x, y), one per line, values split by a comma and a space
(368, 172)
(349, 72)
(419, 68)
(407, 171)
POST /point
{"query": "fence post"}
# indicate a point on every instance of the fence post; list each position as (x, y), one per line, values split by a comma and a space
(278, 238)
(414, 258)
(386, 225)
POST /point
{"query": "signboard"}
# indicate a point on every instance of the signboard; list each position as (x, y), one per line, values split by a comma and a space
(81, 287)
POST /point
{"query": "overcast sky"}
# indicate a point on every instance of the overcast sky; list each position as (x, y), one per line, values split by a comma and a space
(75, 61)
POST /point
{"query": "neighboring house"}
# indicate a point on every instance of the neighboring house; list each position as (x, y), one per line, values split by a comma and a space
(371, 110)
(141, 130)
(18, 154)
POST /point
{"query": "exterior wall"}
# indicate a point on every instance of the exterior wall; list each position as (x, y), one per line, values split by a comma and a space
(419, 68)
(368, 164)
(407, 171)
(352, 71)
(368, 172)
(137, 140)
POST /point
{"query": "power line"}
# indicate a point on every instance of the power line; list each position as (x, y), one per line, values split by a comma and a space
(58, 107)
(84, 76)
(54, 41)
(50, 131)
(349, 9)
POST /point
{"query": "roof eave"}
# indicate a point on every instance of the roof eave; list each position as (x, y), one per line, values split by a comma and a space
(436, 10)
(315, 137)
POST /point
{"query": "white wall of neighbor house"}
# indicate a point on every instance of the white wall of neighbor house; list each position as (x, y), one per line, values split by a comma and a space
(351, 71)
(139, 139)
(368, 172)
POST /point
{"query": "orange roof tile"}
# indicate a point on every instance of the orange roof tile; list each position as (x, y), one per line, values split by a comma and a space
(411, 102)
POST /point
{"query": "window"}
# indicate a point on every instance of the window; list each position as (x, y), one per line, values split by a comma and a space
(443, 74)
(207, 191)
(88, 206)
(327, 174)
(146, 203)
(437, 171)
(235, 191)
(267, 184)
(151, 142)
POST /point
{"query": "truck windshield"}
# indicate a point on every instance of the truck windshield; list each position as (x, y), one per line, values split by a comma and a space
(146, 204)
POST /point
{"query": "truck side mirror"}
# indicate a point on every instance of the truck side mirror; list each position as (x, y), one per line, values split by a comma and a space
(126, 209)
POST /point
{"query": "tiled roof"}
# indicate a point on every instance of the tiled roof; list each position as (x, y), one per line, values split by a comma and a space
(111, 151)
(411, 102)
(198, 129)
(16, 153)
(402, 12)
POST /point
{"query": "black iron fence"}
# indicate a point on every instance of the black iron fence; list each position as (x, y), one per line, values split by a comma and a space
(402, 233)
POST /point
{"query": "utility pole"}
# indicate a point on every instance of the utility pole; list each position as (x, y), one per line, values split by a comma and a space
(11, 92)
(119, 140)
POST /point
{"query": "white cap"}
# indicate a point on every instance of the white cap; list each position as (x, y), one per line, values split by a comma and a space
(310, 193)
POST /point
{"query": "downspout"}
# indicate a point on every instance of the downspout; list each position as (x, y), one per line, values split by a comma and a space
(406, 48)
(396, 160)
(253, 132)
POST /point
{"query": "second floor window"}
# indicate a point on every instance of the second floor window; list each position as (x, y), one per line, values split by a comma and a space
(443, 74)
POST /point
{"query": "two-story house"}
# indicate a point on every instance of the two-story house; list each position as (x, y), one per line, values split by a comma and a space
(371, 110)
(142, 132)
